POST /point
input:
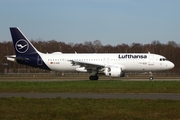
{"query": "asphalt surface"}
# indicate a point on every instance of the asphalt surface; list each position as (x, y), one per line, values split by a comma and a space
(168, 96)
(58, 79)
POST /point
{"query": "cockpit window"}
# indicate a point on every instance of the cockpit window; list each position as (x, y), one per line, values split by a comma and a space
(163, 59)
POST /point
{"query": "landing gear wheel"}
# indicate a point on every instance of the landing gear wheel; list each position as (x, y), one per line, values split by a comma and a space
(151, 78)
(93, 77)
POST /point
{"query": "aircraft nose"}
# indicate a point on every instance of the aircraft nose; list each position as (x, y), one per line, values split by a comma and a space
(171, 65)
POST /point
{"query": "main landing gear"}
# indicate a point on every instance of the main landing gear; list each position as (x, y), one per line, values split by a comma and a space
(93, 77)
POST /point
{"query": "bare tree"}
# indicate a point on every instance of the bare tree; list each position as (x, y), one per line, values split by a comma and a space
(97, 45)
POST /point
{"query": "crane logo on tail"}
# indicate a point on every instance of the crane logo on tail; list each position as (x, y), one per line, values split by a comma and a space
(22, 46)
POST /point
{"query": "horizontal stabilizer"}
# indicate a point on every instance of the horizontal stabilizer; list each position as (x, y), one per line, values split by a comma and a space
(13, 58)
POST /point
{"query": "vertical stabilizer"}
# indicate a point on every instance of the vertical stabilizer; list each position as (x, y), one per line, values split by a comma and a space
(26, 53)
(22, 45)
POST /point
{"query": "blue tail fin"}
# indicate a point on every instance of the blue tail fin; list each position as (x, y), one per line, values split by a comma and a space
(26, 53)
(22, 45)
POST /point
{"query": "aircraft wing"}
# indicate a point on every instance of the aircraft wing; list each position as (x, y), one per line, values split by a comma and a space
(94, 65)
(88, 65)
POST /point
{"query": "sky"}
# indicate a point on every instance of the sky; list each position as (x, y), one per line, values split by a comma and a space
(76, 21)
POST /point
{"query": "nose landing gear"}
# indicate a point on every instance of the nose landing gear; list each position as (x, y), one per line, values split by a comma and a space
(151, 76)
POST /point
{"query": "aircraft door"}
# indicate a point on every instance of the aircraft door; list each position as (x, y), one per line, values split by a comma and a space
(106, 60)
(151, 59)
(39, 60)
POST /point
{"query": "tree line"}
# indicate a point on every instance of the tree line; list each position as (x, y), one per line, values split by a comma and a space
(171, 50)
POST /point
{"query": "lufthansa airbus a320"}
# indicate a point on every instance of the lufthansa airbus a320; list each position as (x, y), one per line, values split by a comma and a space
(112, 65)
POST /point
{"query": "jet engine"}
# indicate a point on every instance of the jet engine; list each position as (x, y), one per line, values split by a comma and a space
(114, 72)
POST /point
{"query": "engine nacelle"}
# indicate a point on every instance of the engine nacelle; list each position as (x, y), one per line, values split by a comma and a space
(113, 72)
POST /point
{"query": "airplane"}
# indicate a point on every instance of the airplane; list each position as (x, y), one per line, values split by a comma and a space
(110, 64)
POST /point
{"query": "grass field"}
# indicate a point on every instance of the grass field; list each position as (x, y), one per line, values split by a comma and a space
(88, 109)
(93, 86)
(20, 108)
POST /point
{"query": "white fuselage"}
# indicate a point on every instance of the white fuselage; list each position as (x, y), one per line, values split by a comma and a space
(134, 62)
